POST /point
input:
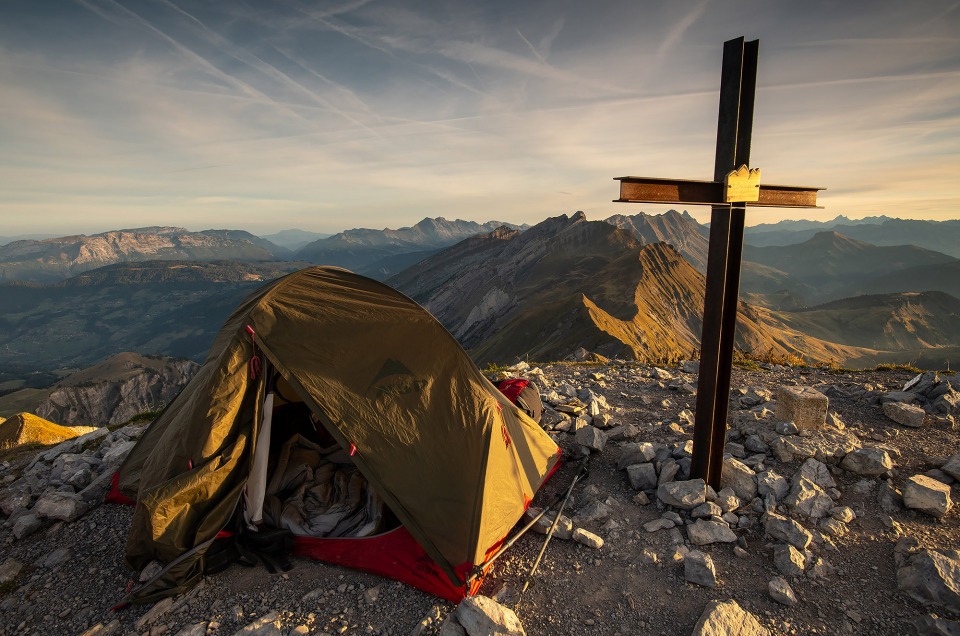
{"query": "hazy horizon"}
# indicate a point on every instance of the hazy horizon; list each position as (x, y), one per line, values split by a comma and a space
(267, 115)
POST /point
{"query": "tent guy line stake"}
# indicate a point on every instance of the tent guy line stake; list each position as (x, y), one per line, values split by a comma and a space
(580, 474)
(478, 569)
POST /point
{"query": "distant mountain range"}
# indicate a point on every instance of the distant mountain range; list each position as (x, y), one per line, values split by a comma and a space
(569, 282)
(382, 253)
(54, 259)
(939, 236)
(295, 239)
(830, 262)
(629, 286)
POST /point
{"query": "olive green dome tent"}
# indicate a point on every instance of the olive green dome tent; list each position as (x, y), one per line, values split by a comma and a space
(452, 459)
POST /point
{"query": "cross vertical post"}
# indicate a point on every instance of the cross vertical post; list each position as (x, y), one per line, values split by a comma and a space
(734, 130)
(734, 187)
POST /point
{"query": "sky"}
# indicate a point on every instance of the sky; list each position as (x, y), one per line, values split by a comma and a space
(326, 116)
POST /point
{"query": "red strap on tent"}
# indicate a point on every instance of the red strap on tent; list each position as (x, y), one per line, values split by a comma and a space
(255, 364)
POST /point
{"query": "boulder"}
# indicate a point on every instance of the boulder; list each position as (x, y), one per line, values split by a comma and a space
(804, 406)
(704, 532)
(905, 414)
(871, 462)
(686, 495)
(927, 495)
(698, 568)
(740, 478)
(61, 505)
(932, 577)
(727, 618)
(480, 615)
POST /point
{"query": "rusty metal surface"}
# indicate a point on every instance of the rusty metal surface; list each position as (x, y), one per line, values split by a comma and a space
(691, 192)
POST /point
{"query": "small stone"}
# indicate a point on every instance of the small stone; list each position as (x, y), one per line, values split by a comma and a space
(641, 499)
(649, 557)
(686, 495)
(56, 557)
(786, 428)
(740, 478)
(871, 462)
(698, 568)
(952, 467)
(482, 615)
(833, 527)
(781, 592)
(727, 618)
(25, 525)
(9, 570)
(587, 538)
(706, 532)
(843, 513)
(591, 437)
(808, 499)
(371, 594)
(642, 476)
(787, 530)
(771, 483)
(788, 560)
(159, 609)
(706, 510)
(658, 524)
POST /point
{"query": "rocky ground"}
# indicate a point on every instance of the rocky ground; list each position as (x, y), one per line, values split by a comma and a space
(827, 531)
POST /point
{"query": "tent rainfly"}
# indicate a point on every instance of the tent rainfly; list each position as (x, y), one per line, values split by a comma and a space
(418, 436)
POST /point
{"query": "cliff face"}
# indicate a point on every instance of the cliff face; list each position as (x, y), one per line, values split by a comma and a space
(54, 259)
(117, 390)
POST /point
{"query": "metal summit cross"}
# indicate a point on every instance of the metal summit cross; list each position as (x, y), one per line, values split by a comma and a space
(734, 187)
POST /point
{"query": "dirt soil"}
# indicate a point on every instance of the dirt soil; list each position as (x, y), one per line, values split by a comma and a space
(577, 589)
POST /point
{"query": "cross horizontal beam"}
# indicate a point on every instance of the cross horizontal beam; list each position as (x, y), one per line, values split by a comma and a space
(652, 190)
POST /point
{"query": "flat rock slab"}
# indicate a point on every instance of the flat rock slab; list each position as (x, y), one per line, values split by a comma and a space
(870, 462)
(704, 532)
(787, 530)
(905, 414)
(683, 494)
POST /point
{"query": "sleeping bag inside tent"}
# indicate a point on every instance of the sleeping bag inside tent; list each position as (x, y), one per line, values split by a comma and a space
(335, 407)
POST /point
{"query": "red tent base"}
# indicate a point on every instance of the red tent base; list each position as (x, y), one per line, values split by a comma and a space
(394, 554)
